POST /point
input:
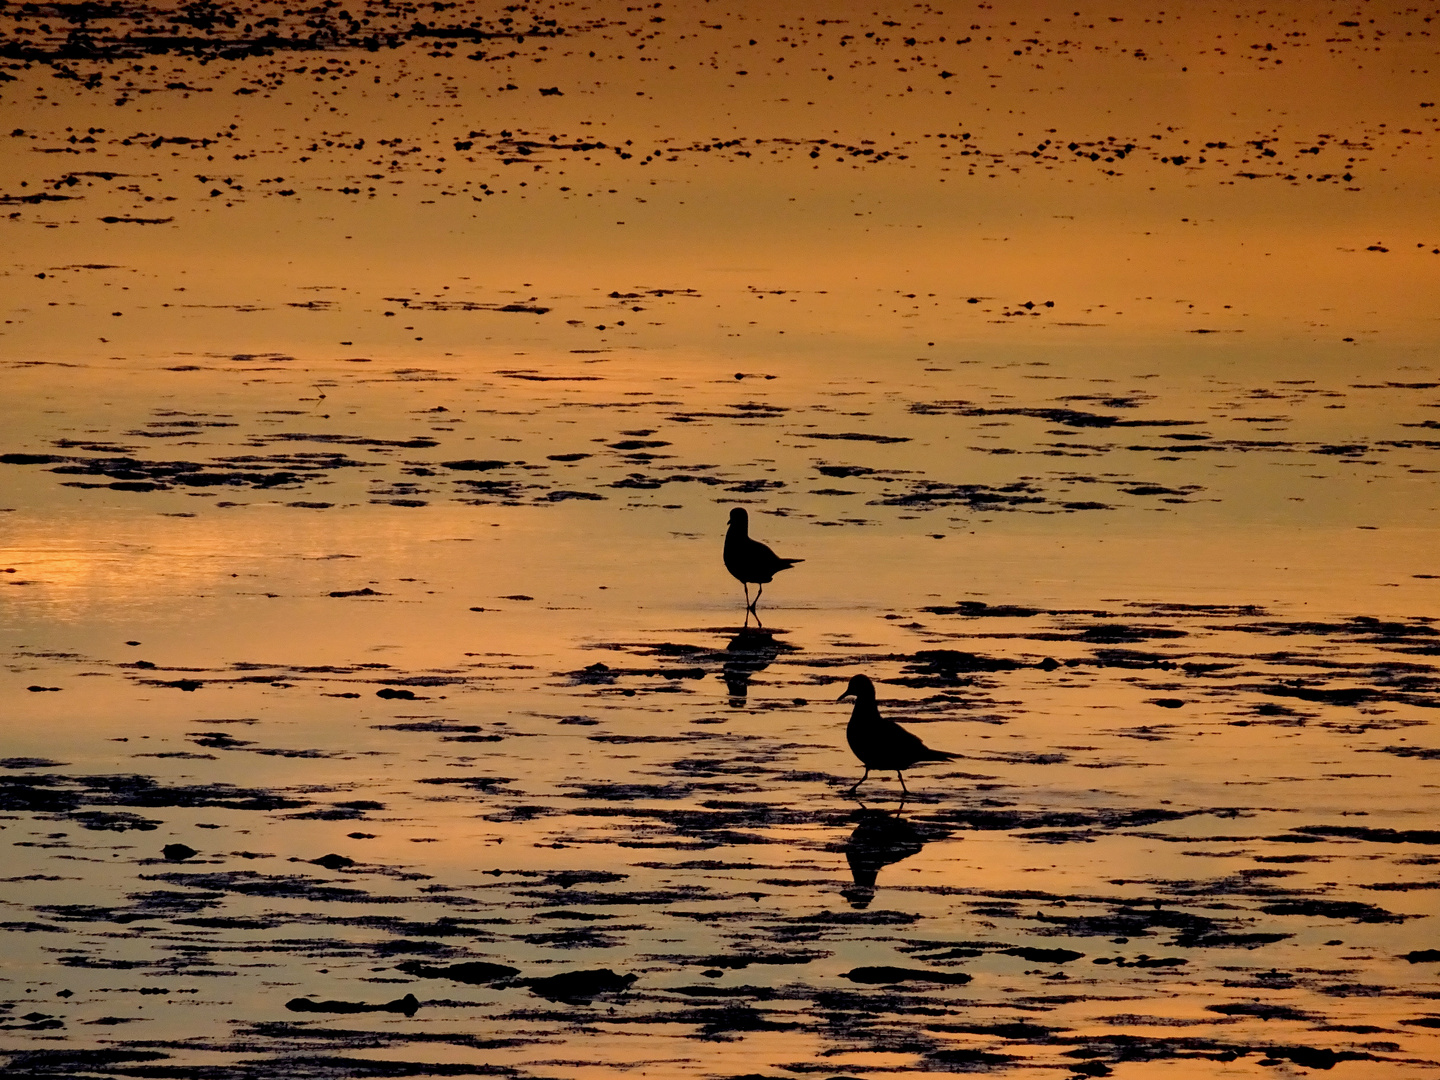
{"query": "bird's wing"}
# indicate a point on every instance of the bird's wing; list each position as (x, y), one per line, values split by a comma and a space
(757, 550)
(907, 743)
(764, 556)
(903, 742)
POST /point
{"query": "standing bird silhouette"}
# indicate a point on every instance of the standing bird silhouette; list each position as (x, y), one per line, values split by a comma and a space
(881, 743)
(749, 560)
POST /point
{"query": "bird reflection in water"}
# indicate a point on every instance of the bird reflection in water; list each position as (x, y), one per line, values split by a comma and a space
(751, 650)
(881, 837)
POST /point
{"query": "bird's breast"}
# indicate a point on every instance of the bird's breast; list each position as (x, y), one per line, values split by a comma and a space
(863, 741)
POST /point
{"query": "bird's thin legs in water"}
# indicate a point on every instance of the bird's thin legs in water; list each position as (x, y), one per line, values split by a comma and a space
(749, 604)
(862, 779)
(754, 604)
(901, 775)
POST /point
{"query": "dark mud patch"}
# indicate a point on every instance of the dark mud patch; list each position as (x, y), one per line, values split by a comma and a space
(134, 474)
(575, 986)
(1075, 418)
(947, 667)
(1349, 910)
(1378, 836)
(478, 972)
(854, 436)
(407, 1006)
(56, 794)
(883, 975)
(741, 961)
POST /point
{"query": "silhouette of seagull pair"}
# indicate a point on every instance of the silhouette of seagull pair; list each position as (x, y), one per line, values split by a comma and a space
(877, 742)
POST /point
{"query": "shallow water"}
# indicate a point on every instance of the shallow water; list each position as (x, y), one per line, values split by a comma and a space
(378, 704)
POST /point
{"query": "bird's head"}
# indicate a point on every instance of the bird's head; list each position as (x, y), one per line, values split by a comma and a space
(860, 688)
(738, 516)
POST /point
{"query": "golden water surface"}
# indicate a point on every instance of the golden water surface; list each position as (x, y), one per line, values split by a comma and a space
(376, 381)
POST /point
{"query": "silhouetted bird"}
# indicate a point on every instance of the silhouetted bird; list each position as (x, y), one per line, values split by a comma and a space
(749, 560)
(881, 743)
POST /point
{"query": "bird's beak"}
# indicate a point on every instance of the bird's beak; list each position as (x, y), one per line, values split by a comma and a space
(847, 693)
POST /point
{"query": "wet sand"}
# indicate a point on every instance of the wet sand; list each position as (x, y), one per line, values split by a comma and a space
(378, 703)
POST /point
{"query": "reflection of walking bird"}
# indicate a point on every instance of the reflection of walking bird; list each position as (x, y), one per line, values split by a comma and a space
(879, 839)
(750, 651)
(750, 561)
(881, 743)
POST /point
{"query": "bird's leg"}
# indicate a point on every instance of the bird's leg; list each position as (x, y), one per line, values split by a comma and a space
(862, 779)
(749, 605)
(758, 590)
(901, 775)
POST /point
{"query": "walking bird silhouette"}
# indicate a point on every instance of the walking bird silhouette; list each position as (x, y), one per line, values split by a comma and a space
(881, 743)
(749, 560)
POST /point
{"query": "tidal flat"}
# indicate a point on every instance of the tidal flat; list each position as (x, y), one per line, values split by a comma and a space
(375, 385)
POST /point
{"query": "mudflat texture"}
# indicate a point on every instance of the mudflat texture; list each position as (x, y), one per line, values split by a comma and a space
(376, 382)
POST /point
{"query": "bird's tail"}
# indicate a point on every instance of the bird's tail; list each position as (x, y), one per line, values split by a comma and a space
(939, 755)
(789, 563)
